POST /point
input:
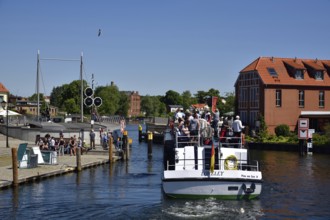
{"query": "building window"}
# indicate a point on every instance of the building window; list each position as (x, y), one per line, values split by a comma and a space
(301, 98)
(278, 98)
(319, 75)
(272, 72)
(253, 118)
(321, 99)
(299, 74)
(254, 97)
(243, 115)
(243, 98)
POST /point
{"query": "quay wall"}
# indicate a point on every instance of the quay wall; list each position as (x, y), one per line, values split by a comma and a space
(322, 149)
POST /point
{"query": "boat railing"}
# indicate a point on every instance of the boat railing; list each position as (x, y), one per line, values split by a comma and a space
(221, 164)
(182, 140)
(232, 141)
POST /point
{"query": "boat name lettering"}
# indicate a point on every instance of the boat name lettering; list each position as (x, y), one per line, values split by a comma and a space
(249, 176)
(215, 173)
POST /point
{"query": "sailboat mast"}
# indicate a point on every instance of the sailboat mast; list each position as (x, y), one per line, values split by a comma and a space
(38, 97)
(82, 89)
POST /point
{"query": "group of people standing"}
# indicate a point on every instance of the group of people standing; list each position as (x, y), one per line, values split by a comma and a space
(208, 124)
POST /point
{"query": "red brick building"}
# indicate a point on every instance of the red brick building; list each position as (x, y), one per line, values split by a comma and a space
(134, 103)
(282, 90)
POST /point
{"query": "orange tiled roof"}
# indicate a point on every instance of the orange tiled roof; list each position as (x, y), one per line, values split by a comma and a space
(3, 89)
(284, 76)
(198, 105)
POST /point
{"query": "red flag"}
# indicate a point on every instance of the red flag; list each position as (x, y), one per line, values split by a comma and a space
(212, 158)
(214, 103)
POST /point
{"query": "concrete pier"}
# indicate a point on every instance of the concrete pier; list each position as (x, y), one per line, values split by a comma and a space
(65, 164)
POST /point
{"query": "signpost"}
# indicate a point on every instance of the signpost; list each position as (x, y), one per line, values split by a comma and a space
(303, 135)
(303, 127)
(90, 101)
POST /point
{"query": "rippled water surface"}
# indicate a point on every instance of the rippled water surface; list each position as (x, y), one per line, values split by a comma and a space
(295, 188)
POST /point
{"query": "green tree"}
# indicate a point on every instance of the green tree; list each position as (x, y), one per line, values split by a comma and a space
(282, 130)
(187, 99)
(229, 104)
(123, 105)
(110, 99)
(172, 98)
(263, 133)
(206, 97)
(61, 94)
(147, 105)
(71, 106)
(34, 97)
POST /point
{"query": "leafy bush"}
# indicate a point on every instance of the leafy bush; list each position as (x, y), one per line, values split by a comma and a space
(282, 130)
(320, 139)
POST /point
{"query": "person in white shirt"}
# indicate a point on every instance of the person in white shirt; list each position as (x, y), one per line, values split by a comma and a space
(237, 127)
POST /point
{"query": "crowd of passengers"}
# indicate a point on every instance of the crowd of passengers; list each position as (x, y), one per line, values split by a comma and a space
(209, 125)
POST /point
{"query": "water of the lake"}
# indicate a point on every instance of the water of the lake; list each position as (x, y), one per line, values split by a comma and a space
(294, 187)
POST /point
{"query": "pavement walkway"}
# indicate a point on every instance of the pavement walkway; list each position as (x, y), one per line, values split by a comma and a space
(64, 164)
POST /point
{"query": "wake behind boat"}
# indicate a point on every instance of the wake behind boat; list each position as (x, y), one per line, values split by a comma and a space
(219, 169)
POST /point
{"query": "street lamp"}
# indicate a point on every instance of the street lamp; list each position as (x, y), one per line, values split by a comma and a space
(4, 104)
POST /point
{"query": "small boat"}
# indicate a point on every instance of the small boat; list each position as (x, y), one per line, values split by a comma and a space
(220, 169)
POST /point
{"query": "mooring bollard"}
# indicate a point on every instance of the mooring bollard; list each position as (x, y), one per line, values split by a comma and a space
(124, 144)
(15, 167)
(78, 156)
(127, 147)
(140, 133)
(149, 144)
(110, 149)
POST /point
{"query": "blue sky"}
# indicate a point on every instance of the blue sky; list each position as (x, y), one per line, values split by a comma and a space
(152, 46)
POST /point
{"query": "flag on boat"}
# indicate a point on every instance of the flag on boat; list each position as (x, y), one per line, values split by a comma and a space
(214, 103)
(212, 162)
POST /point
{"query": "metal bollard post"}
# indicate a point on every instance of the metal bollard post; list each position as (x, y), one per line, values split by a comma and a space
(110, 149)
(149, 144)
(78, 156)
(124, 143)
(15, 167)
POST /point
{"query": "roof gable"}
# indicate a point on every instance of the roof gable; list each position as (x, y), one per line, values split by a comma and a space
(285, 68)
(3, 89)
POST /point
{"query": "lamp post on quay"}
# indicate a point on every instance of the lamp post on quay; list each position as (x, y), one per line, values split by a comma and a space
(4, 104)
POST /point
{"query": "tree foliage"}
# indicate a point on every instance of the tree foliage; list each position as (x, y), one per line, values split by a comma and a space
(67, 98)
(229, 104)
(111, 98)
(68, 93)
(172, 98)
(282, 130)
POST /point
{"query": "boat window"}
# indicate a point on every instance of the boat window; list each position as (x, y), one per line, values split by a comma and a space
(232, 188)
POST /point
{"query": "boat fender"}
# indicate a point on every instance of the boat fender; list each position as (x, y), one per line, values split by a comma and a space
(231, 162)
(249, 190)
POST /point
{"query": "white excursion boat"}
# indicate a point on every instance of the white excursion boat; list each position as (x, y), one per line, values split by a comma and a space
(190, 170)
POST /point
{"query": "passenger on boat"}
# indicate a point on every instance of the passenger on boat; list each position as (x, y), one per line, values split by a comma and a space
(237, 127)
(215, 121)
(188, 115)
(179, 114)
(194, 127)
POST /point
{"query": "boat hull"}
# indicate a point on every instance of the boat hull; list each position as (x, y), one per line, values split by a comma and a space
(215, 188)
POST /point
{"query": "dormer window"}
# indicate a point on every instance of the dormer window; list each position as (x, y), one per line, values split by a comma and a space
(318, 75)
(299, 74)
(272, 72)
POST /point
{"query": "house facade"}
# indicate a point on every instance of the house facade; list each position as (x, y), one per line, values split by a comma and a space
(3, 93)
(283, 90)
(134, 103)
(31, 108)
